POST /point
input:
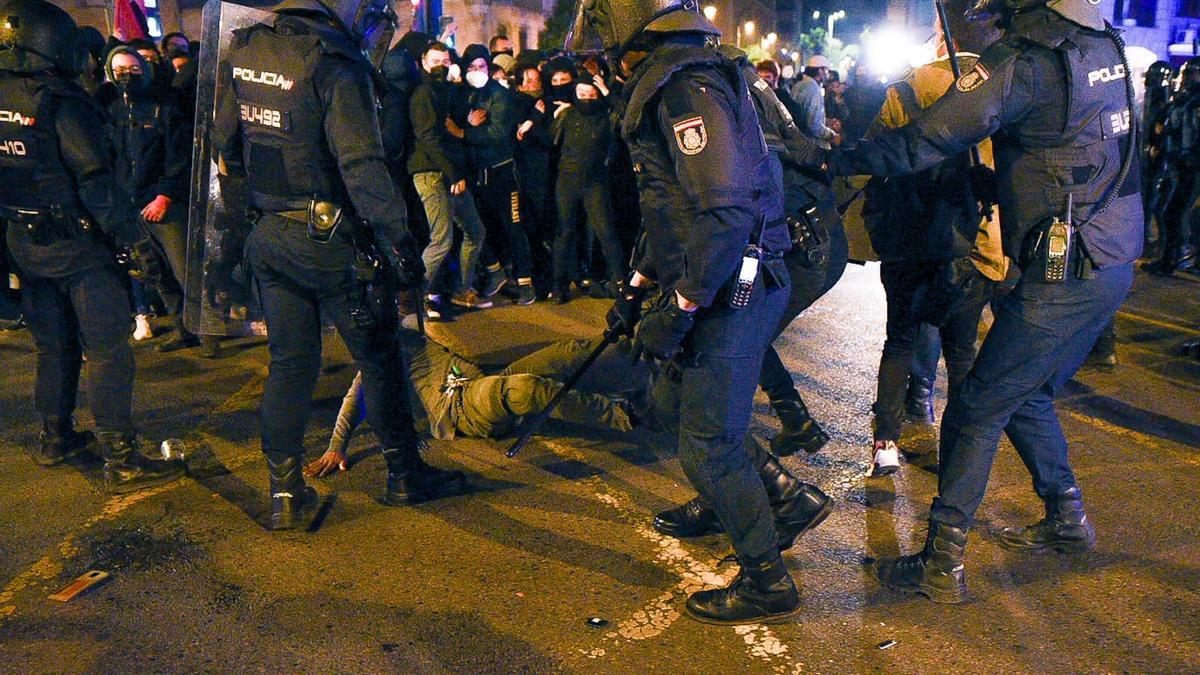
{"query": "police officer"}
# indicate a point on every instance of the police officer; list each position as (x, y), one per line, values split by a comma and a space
(1181, 148)
(1055, 91)
(1154, 109)
(703, 178)
(814, 265)
(297, 115)
(63, 209)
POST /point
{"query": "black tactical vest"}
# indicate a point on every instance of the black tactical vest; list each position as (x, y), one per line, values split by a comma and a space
(662, 199)
(1082, 158)
(32, 173)
(281, 118)
(1183, 131)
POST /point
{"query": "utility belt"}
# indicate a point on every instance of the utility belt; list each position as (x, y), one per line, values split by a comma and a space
(321, 217)
(756, 261)
(49, 225)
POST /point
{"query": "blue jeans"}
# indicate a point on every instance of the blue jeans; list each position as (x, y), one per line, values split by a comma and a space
(444, 211)
(1042, 334)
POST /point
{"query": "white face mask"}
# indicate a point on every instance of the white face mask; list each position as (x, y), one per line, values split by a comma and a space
(477, 79)
(504, 83)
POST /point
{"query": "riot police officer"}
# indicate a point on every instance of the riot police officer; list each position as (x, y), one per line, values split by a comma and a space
(297, 115)
(1181, 149)
(64, 211)
(714, 239)
(1056, 93)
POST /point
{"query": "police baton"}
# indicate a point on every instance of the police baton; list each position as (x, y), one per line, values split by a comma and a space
(952, 54)
(610, 337)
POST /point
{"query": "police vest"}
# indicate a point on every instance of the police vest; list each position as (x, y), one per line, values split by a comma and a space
(32, 173)
(1083, 158)
(662, 199)
(281, 117)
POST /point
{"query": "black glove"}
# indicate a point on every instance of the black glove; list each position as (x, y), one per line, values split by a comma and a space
(984, 185)
(661, 332)
(404, 257)
(141, 261)
(626, 311)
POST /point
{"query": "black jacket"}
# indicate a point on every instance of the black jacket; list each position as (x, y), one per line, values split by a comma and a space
(152, 136)
(495, 141)
(584, 142)
(434, 148)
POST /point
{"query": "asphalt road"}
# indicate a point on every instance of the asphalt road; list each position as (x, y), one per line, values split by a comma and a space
(505, 579)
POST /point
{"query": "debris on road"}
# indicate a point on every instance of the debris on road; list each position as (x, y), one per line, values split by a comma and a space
(82, 584)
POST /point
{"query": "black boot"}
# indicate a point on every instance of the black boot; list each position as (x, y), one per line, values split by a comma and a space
(1065, 529)
(210, 346)
(128, 470)
(410, 480)
(1104, 353)
(180, 339)
(60, 441)
(693, 519)
(936, 572)
(798, 507)
(800, 431)
(918, 400)
(293, 503)
(762, 592)
(1192, 349)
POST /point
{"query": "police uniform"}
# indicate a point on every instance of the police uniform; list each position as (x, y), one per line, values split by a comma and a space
(298, 116)
(1181, 148)
(62, 204)
(1052, 91)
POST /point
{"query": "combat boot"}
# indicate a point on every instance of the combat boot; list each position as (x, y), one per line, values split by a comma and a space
(1065, 529)
(59, 441)
(293, 503)
(762, 592)
(411, 481)
(918, 400)
(180, 339)
(692, 519)
(936, 572)
(128, 470)
(800, 431)
(798, 506)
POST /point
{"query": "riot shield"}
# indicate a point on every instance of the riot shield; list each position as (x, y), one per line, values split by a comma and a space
(217, 296)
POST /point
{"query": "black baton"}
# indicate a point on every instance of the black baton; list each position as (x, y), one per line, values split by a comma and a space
(532, 426)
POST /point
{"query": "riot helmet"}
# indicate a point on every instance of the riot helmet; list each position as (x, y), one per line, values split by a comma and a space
(618, 23)
(371, 23)
(1189, 75)
(1158, 75)
(38, 36)
(1086, 13)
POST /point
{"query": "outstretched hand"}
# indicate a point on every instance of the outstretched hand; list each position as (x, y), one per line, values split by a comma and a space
(330, 462)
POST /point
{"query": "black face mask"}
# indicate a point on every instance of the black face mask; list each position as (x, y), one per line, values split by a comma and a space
(562, 92)
(506, 51)
(130, 84)
(590, 106)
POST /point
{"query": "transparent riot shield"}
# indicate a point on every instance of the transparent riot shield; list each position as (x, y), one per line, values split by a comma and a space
(217, 296)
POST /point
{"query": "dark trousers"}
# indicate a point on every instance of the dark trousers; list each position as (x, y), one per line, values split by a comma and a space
(901, 282)
(85, 312)
(1177, 214)
(171, 235)
(1041, 336)
(808, 285)
(300, 281)
(723, 355)
(498, 198)
(579, 198)
(926, 353)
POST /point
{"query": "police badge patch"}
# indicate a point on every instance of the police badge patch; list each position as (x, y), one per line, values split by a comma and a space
(691, 136)
(973, 79)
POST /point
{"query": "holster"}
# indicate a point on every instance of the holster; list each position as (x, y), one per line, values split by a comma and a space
(46, 226)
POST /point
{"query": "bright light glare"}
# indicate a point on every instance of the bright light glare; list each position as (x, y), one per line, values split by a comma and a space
(710, 12)
(749, 28)
(891, 51)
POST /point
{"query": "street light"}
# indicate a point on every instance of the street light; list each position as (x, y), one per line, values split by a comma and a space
(746, 29)
(817, 15)
(710, 12)
(772, 38)
(834, 18)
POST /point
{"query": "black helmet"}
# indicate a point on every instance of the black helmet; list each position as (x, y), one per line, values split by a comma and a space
(618, 22)
(36, 35)
(371, 22)
(1083, 12)
(1158, 74)
(1189, 74)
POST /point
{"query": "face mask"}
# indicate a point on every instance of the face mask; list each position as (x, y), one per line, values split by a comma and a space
(439, 74)
(130, 83)
(562, 92)
(477, 79)
(505, 51)
(504, 83)
(589, 106)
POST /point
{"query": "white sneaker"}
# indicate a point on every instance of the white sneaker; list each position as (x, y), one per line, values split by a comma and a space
(142, 328)
(887, 459)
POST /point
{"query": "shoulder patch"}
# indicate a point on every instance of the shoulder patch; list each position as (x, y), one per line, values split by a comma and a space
(761, 85)
(691, 136)
(973, 78)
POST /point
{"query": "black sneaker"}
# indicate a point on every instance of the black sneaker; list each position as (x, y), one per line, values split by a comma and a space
(526, 295)
(496, 280)
(434, 311)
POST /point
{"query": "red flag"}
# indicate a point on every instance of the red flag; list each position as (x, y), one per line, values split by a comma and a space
(129, 20)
